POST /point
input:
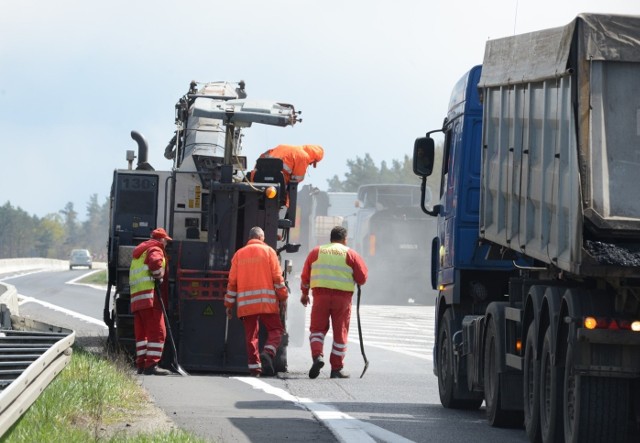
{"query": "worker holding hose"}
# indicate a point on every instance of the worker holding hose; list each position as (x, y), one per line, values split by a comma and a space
(331, 271)
(149, 264)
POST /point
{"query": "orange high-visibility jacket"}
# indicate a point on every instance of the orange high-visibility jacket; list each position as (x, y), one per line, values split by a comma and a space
(295, 159)
(255, 280)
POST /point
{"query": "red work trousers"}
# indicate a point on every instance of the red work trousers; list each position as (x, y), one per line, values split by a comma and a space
(150, 332)
(274, 329)
(334, 306)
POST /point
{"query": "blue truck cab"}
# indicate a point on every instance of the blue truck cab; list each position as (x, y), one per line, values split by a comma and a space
(458, 251)
(460, 260)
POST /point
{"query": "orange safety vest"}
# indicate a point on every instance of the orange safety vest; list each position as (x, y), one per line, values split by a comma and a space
(255, 280)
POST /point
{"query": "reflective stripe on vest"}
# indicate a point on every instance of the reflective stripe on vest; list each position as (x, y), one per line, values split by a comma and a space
(138, 297)
(248, 297)
(330, 270)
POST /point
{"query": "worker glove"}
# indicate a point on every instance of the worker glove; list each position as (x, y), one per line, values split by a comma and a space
(283, 294)
(304, 300)
(158, 273)
(229, 313)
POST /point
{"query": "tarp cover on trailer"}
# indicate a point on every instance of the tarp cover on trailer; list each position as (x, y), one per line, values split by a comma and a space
(544, 54)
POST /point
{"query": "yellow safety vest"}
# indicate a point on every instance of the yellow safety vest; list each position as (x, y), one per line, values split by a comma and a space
(330, 270)
(141, 283)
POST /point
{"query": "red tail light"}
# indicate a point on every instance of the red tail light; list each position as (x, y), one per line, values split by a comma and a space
(611, 323)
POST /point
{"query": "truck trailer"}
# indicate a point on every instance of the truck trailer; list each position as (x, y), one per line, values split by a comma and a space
(207, 204)
(537, 258)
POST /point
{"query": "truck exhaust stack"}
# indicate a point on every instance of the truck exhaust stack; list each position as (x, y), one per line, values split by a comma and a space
(143, 151)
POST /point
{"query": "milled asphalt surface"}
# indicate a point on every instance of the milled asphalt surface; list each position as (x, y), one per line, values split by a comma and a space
(224, 409)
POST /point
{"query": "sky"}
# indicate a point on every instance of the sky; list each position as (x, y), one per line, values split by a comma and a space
(370, 76)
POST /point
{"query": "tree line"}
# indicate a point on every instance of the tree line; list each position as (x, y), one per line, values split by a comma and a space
(362, 171)
(56, 234)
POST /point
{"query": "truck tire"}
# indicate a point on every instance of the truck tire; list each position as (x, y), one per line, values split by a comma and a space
(445, 362)
(595, 408)
(531, 385)
(446, 384)
(496, 416)
(550, 393)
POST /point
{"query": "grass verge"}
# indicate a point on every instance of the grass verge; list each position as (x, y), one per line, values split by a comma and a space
(92, 399)
(96, 278)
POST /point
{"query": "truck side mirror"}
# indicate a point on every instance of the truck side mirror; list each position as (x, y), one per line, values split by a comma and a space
(423, 153)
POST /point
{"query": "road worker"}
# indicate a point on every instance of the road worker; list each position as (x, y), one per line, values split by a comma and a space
(257, 287)
(331, 272)
(295, 161)
(148, 266)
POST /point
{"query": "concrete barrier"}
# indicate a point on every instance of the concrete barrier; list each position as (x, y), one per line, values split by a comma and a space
(8, 293)
(8, 303)
(8, 265)
(25, 264)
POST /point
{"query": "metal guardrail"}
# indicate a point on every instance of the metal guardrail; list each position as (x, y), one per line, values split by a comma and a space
(29, 361)
(32, 353)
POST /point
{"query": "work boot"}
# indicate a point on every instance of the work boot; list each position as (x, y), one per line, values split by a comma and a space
(140, 370)
(255, 373)
(318, 363)
(339, 374)
(267, 364)
(155, 370)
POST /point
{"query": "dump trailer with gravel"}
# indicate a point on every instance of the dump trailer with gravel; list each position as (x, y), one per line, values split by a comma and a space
(538, 251)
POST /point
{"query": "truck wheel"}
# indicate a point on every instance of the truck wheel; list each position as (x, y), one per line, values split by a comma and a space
(550, 393)
(445, 362)
(112, 342)
(531, 386)
(446, 368)
(496, 416)
(595, 408)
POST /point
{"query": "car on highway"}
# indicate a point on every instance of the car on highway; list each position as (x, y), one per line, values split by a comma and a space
(80, 257)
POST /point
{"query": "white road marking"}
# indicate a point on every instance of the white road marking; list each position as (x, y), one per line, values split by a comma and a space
(86, 274)
(413, 338)
(21, 274)
(419, 354)
(345, 428)
(26, 299)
